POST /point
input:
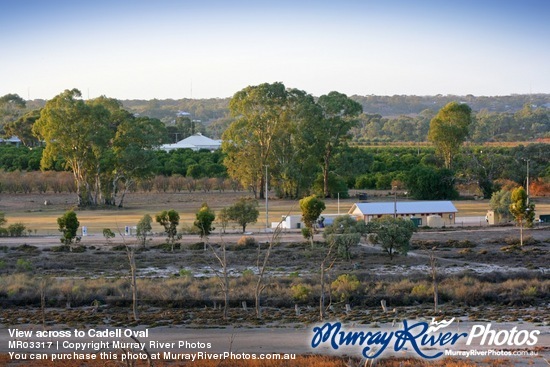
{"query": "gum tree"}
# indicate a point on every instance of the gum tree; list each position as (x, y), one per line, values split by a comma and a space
(339, 115)
(68, 226)
(521, 210)
(449, 128)
(170, 220)
(248, 142)
(393, 234)
(204, 219)
(311, 208)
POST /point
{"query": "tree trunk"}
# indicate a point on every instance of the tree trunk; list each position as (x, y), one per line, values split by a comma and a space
(132, 261)
(322, 298)
(521, 232)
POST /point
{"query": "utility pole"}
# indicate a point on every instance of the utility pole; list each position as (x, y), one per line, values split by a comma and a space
(527, 182)
(395, 201)
(266, 200)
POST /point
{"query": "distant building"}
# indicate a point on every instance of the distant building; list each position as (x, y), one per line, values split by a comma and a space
(194, 142)
(14, 140)
(420, 210)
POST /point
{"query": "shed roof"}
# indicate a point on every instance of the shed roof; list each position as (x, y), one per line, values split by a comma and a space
(199, 140)
(405, 207)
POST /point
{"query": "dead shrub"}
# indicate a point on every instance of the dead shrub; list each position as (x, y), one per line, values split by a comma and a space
(246, 242)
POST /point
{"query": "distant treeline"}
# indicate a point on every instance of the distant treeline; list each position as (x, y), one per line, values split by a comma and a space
(519, 117)
(353, 168)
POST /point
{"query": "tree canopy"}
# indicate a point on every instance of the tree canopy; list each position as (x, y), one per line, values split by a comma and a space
(244, 212)
(101, 143)
(449, 129)
(204, 219)
(393, 234)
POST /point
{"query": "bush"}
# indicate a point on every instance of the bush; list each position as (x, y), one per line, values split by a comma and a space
(300, 292)
(23, 265)
(344, 287)
(16, 229)
(186, 273)
(248, 273)
(197, 246)
(247, 242)
(61, 248)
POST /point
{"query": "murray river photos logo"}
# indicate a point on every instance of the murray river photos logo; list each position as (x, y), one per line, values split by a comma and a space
(422, 337)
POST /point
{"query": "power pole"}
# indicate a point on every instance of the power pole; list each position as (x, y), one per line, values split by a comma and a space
(266, 201)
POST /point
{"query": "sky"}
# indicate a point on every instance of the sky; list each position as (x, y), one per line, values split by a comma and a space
(145, 49)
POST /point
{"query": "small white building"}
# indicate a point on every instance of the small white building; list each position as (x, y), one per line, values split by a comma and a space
(295, 221)
(194, 142)
(14, 140)
(420, 210)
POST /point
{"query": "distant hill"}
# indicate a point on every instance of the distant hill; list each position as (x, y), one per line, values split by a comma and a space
(386, 118)
(387, 106)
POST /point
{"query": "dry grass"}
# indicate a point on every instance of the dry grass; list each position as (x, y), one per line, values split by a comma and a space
(29, 209)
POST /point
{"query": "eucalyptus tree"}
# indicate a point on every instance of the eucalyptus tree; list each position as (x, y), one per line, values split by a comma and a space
(339, 115)
(449, 128)
(521, 209)
(260, 113)
(78, 133)
(12, 106)
(295, 165)
(101, 143)
(22, 128)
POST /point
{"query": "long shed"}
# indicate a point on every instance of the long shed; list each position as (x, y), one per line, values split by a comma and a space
(405, 209)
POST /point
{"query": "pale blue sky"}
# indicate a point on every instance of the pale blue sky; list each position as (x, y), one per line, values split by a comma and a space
(201, 49)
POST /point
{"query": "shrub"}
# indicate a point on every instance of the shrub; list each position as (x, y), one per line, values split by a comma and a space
(300, 292)
(246, 242)
(344, 287)
(186, 273)
(248, 273)
(421, 291)
(61, 248)
(108, 234)
(23, 265)
(16, 229)
(197, 246)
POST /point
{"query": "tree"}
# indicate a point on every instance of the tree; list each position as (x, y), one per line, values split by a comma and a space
(393, 234)
(449, 129)
(108, 234)
(296, 164)
(521, 210)
(500, 203)
(144, 228)
(204, 219)
(3, 219)
(311, 208)
(170, 220)
(134, 158)
(11, 108)
(223, 218)
(339, 114)
(103, 145)
(244, 211)
(68, 225)
(429, 183)
(78, 133)
(22, 128)
(249, 140)
(345, 232)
